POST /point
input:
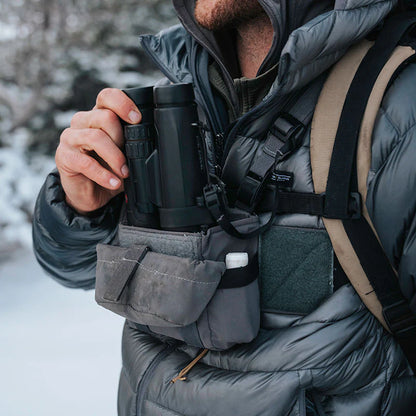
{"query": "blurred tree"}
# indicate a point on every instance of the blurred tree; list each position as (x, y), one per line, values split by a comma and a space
(49, 47)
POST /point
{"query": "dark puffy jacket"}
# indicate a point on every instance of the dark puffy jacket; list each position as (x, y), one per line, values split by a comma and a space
(338, 355)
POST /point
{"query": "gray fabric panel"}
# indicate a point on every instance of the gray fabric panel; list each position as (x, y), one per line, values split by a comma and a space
(164, 291)
(166, 242)
(117, 272)
(232, 317)
(295, 268)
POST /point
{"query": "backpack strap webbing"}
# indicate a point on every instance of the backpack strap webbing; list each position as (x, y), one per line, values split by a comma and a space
(355, 241)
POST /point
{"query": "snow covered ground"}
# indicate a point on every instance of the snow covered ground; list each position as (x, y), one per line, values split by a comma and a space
(59, 351)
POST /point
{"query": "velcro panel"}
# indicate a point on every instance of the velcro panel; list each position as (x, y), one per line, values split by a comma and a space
(296, 269)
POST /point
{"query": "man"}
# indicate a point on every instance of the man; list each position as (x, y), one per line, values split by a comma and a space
(331, 357)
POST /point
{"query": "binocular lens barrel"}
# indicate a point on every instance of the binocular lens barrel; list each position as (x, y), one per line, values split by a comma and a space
(139, 144)
(176, 118)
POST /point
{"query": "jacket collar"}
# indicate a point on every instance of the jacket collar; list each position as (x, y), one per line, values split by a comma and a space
(285, 15)
(309, 50)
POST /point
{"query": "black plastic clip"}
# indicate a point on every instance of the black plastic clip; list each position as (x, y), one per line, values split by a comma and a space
(287, 129)
(215, 199)
(355, 206)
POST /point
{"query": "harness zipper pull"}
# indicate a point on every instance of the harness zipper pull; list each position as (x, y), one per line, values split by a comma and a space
(182, 374)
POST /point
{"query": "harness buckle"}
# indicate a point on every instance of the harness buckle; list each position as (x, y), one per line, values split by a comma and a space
(215, 199)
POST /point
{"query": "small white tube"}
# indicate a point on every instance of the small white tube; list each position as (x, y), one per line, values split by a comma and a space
(236, 260)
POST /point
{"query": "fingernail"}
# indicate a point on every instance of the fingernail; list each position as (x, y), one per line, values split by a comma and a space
(114, 182)
(134, 116)
(124, 170)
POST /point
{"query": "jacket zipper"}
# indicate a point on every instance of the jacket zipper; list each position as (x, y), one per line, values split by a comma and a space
(272, 102)
(146, 378)
(269, 105)
(215, 123)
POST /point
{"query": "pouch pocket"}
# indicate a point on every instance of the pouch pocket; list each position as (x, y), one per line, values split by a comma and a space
(176, 284)
(163, 290)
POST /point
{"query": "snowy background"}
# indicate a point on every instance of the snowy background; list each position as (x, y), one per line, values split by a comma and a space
(59, 351)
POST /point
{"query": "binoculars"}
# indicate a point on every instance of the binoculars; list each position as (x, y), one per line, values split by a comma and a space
(165, 155)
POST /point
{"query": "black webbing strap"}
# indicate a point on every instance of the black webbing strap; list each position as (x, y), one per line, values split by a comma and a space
(281, 140)
(343, 155)
(342, 182)
(396, 311)
(294, 203)
(276, 146)
(216, 202)
(124, 272)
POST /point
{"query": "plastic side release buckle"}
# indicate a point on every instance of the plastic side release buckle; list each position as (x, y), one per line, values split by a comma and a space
(214, 199)
(400, 319)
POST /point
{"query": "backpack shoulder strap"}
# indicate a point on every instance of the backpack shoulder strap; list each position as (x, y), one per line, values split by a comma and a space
(323, 132)
(324, 127)
(354, 240)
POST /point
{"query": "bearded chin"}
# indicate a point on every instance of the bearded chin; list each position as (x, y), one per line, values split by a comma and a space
(221, 14)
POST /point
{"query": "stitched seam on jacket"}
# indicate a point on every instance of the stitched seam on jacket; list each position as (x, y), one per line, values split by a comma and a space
(158, 272)
(164, 408)
(338, 11)
(366, 6)
(390, 120)
(386, 381)
(398, 142)
(291, 370)
(412, 126)
(329, 54)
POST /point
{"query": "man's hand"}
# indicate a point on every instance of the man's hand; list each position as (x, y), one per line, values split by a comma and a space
(89, 160)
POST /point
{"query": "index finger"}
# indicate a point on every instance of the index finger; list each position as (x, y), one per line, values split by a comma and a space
(119, 103)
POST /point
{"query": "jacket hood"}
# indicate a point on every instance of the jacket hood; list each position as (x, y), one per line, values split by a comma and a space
(307, 52)
(285, 15)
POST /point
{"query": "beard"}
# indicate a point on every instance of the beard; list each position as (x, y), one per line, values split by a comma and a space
(222, 14)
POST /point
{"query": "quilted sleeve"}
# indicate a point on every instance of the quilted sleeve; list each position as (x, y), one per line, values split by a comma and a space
(392, 180)
(64, 241)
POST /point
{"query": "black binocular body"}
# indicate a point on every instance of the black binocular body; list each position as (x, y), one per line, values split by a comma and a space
(165, 155)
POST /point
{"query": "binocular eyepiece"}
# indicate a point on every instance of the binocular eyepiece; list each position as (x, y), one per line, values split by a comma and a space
(165, 155)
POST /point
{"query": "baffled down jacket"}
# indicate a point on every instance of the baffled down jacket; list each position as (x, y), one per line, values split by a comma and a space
(332, 352)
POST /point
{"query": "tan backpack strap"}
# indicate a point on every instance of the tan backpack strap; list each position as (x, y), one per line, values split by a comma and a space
(324, 129)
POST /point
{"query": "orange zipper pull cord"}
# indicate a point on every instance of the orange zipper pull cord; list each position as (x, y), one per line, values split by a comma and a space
(182, 375)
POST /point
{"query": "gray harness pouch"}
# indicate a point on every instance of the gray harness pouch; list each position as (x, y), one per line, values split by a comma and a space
(176, 284)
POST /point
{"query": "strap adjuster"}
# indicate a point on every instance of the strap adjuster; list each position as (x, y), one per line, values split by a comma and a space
(355, 205)
(354, 209)
(287, 128)
(400, 319)
(214, 197)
